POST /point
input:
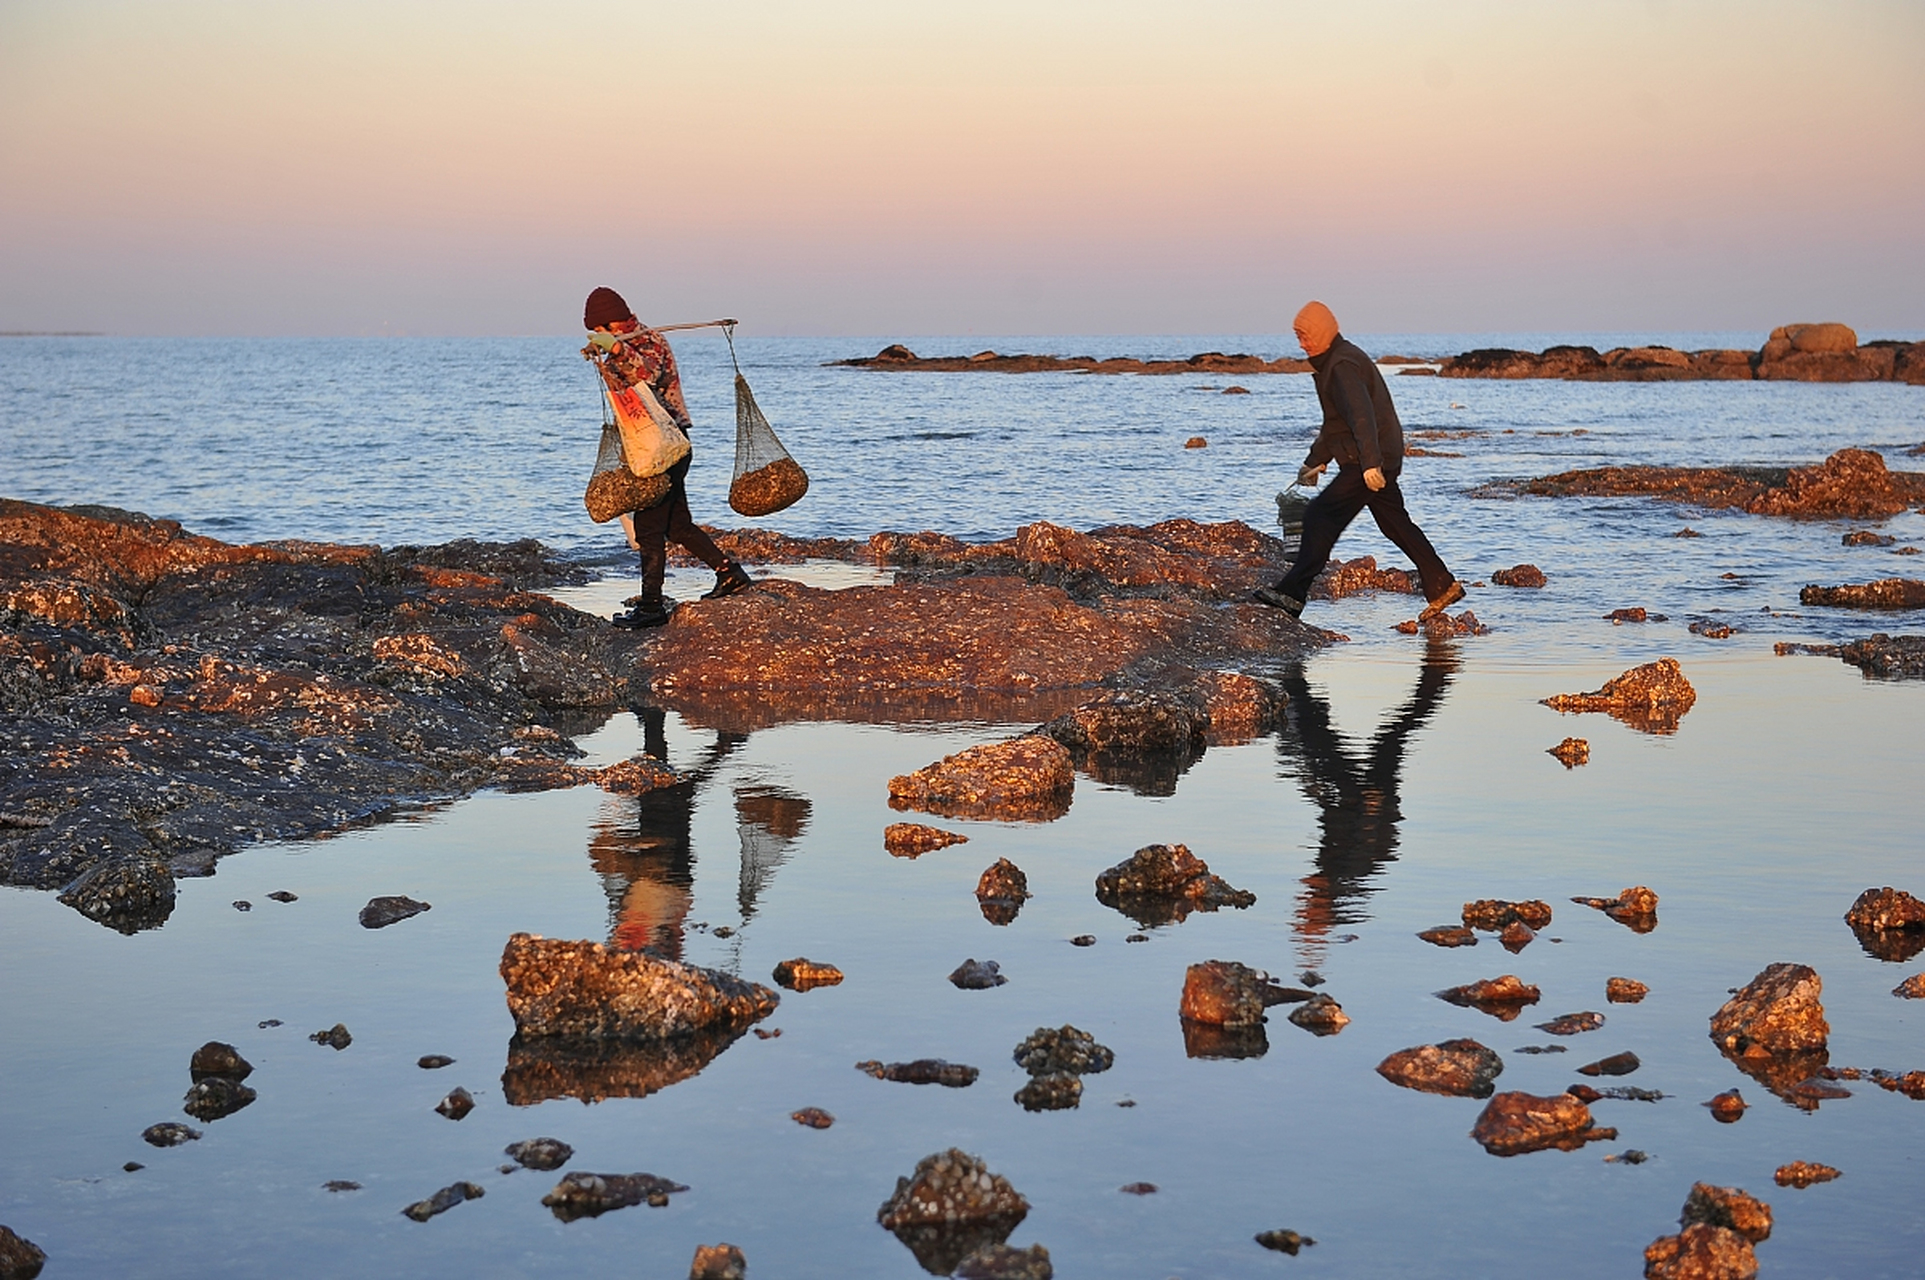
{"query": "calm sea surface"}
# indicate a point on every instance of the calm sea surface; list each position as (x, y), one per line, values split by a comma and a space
(1789, 787)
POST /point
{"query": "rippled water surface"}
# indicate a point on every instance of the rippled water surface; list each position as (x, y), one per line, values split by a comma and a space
(1411, 779)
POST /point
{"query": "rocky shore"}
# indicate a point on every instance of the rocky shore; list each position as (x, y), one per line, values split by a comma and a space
(170, 697)
(1850, 484)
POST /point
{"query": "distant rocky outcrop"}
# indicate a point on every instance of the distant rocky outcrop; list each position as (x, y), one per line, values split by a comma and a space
(1793, 353)
(899, 358)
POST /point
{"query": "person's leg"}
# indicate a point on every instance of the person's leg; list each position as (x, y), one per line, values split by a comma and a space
(730, 577)
(1387, 509)
(1324, 520)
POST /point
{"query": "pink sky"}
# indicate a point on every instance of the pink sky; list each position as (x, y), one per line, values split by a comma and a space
(261, 168)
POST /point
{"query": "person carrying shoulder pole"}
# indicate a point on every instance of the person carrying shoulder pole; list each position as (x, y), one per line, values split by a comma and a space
(1361, 433)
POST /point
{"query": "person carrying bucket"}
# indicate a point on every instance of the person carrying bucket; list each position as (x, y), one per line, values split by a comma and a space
(641, 357)
(1361, 432)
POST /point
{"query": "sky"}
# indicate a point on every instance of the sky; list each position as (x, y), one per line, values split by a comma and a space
(842, 167)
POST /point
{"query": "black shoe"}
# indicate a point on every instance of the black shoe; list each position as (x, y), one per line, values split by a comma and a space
(643, 616)
(1450, 596)
(1277, 600)
(729, 579)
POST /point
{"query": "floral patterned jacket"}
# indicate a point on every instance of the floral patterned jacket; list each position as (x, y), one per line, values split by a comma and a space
(641, 357)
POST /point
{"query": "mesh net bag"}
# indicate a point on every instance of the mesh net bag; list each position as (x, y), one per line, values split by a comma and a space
(767, 479)
(613, 489)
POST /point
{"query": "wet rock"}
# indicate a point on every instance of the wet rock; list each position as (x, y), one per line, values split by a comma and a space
(1514, 1123)
(1636, 908)
(1058, 1092)
(168, 1133)
(1700, 1252)
(718, 1262)
(898, 358)
(1618, 617)
(1224, 993)
(1459, 1068)
(951, 1207)
(1624, 990)
(132, 1166)
(1913, 988)
(1777, 1012)
(215, 1097)
(539, 1153)
(1572, 1024)
(1048, 1051)
(1163, 884)
(1003, 1262)
(1199, 442)
(974, 975)
(1502, 997)
(1001, 891)
(1911, 1084)
(282, 895)
(801, 973)
(1083, 940)
(1727, 1107)
(1492, 914)
(951, 1075)
(812, 1118)
(1516, 936)
(913, 839)
(1885, 593)
(1523, 575)
(126, 894)
(1851, 484)
(339, 1185)
(1651, 698)
(589, 1195)
(1132, 720)
(1882, 656)
(1449, 935)
(335, 1037)
(1444, 627)
(1618, 1064)
(1886, 908)
(1712, 630)
(1630, 1155)
(241, 904)
(1284, 1241)
(434, 1061)
(1803, 1173)
(583, 989)
(1622, 1092)
(20, 1258)
(443, 1200)
(382, 912)
(1542, 1048)
(1240, 707)
(596, 1068)
(457, 1104)
(1138, 1188)
(218, 1059)
(1868, 538)
(1320, 1015)
(1029, 778)
(1571, 752)
(1354, 577)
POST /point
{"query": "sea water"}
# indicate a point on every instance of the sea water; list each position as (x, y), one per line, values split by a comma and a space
(1787, 789)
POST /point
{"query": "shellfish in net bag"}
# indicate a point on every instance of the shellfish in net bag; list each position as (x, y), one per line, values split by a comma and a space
(613, 489)
(767, 479)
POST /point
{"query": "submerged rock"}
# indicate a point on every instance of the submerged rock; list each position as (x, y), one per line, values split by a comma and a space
(1571, 752)
(1502, 997)
(812, 1118)
(1001, 891)
(213, 1097)
(1048, 1051)
(1804, 1173)
(1003, 1262)
(1163, 884)
(1700, 1252)
(1651, 698)
(1492, 914)
(718, 1262)
(801, 973)
(443, 1200)
(1727, 1107)
(539, 1153)
(1618, 1064)
(1320, 1015)
(583, 989)
(457, 1104)
(1514, 1123)
(335, 1037)
(1224, 993)
(1449, 935)
(1572, 1024)
(951, 1075)
(951, 1207)
(1523, 575)
(1624, 990)
(1028, 778)
(589, 1195)
(974, 975)
(1284, 1241)
(216, 1058)
(126, 894)
(913, 839)
(382, 912)
(1777, 1012)
(1459, 1068)
(20, 1258)
(168, 1133)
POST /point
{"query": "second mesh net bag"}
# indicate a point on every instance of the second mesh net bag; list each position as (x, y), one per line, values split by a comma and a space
(767, 479)
(613, 489)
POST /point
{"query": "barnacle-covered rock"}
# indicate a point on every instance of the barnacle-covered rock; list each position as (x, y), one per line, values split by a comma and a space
(558, 988)
(1163, 884)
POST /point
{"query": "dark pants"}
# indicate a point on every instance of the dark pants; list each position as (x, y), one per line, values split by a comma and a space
(669, 521)
(1331, 512)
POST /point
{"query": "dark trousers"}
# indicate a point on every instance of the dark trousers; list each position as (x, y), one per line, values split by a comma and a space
(669, 521)
(1331, 512)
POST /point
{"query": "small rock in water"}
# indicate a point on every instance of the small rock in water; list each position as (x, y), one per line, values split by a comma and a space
(335, 1037)
(20, 1258)
(1058, 1092)
(1730, 1208)
(1083, 940)
(1651, 698)
(132, 1166)
(1635, 908)
(584, 989)
(1027, 778)
(216, 1058)
(1630, 1155)
(1571, 752)
(265, 1023)
(1637, 613)
(975, 975)
(1283, 1241)
(539, 1153)
(812, 1117)
(434, 1061)
(951, 1207)
(1458, 1068)
(1227, 994)
(723, 931)
(125, 894)
(1198, 442)
(1138, 1188)
(913, 839)
(1003, 1262)
(340, 1184)
(215, 1097)
(168, 1133)
(1700, 1252)
(1572, 1024)
(1163, 884)
(768, 1033)
(1877, 914)
(1514, 1123)
(457, 1104)
(1047, 1051)
(718, 1262)
(1803, 1173)
(282, 895)
(1001, 891)
(1502, 997)
(1310, 978)
(382, 912)
(1320, 1015)
(1624, 990)
(589, 1195)
(1523, 575)
(1712, 630)
(802, 974)
(1449, 935)
(1137, 937)
(1516, 936)
(242, 904)
(1727, 1107)
(1618, 1064)
(1492, 914)
(952, 1075)
(1776, 1012)
(1913, 988)
(1540, 1048)
(443, 1200)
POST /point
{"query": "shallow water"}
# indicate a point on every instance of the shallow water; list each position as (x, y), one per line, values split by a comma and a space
(1787, 789)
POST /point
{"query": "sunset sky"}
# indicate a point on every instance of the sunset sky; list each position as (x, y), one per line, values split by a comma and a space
(202, 167)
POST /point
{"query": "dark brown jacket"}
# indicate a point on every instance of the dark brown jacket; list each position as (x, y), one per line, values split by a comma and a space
(1360, 426)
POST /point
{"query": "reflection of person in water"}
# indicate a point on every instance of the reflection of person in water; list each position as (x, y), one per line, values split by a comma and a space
(1355, 791)
(647, 856)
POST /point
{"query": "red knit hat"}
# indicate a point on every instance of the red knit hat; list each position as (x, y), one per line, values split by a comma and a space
(604, 306)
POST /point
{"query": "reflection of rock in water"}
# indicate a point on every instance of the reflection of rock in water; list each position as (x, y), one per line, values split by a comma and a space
(768, 819)
(1207, 1040)
(591, 1069)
